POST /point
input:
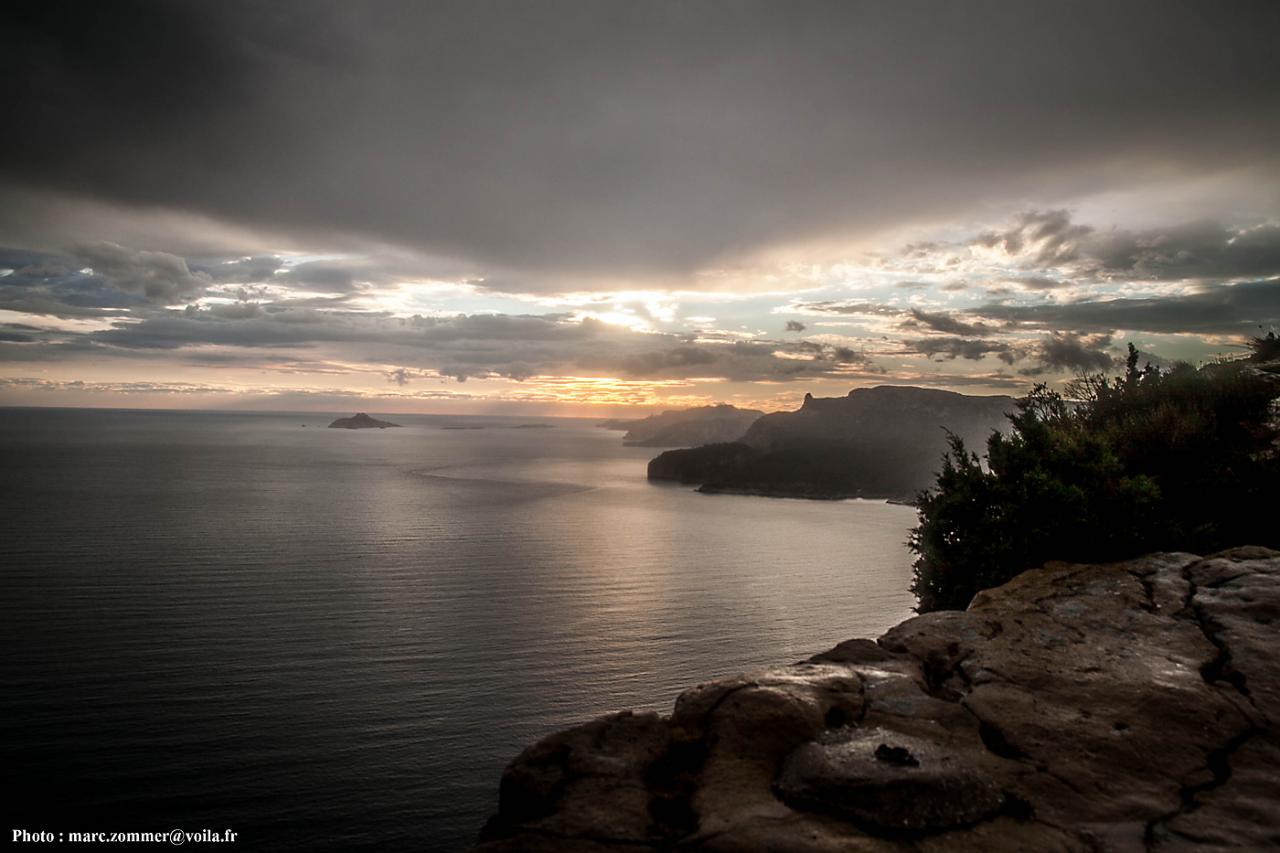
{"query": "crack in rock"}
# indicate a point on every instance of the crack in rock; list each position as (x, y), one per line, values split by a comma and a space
(1218, 670)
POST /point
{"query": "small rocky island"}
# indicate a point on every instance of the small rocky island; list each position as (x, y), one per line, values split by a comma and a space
(686, 427)
(1128, 706)
(361, 421)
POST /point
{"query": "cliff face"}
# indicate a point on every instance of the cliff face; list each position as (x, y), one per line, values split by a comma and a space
(884, 415)
(883, 442)
(1116, 707)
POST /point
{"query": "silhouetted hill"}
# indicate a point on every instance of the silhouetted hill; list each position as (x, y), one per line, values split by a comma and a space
(883, 442)
(687, 427)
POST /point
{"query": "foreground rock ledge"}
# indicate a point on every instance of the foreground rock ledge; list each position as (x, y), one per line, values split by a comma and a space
(1078, 707)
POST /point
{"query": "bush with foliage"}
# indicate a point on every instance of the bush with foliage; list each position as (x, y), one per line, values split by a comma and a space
(1265, 348)
(1155, 460)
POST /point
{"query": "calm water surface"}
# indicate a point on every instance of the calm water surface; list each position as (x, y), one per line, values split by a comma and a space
(335, 640)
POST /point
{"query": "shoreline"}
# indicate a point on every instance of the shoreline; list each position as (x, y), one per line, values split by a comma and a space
(805, 494)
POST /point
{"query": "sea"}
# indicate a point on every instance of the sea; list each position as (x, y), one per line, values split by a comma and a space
(327, 639)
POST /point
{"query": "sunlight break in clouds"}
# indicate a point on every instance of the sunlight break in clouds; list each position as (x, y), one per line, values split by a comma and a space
(703, 212)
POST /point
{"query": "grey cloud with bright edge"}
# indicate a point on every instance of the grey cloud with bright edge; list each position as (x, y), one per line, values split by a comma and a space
(953, 348)
(1193, 250)
(616, 137)
(156, 276)
(943, 322)
(1219, 310)
(515, 347)
(526, 147)
(1077, 353)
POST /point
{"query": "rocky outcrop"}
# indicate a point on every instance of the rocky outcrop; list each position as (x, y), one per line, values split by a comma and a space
(1129, 706)
(361, 421)
(882, 442)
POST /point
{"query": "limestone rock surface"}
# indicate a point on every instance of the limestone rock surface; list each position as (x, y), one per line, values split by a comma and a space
(1127, 706)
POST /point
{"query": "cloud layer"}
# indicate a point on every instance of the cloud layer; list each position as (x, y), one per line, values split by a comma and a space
(610, 138)
(720, 200)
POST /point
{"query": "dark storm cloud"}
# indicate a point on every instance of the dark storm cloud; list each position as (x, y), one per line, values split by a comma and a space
(1055, 352)
(327, 276)
(944, 322)
(615, 136)
(1049, 240)
(104, 279)
(1050, 236)
(156, 276)
(95, 279)
(1221, 309)
(1198, 250)
(55, 285)
(250, 270)
(1071, 352)
(657, 362)
(830, 352)
(953, 348)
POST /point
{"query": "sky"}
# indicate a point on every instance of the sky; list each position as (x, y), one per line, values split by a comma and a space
(593, 207)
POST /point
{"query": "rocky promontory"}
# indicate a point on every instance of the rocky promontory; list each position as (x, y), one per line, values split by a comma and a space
(882, 442)
(1127, 706)
(361, 421)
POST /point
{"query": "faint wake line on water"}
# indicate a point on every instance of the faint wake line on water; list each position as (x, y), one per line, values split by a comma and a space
(551, 487)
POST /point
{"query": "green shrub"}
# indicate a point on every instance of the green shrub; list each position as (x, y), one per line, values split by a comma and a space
(1178, 460)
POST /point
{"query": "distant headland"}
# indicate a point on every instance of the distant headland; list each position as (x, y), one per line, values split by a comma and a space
(686, 427)
(882, 442)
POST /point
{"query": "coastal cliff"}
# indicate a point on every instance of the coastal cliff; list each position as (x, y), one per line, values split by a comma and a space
(1125, 706)
(882, 442)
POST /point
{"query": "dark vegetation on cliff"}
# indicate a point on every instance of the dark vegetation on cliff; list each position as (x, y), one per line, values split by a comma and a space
(881, 442)
(1183, 459)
